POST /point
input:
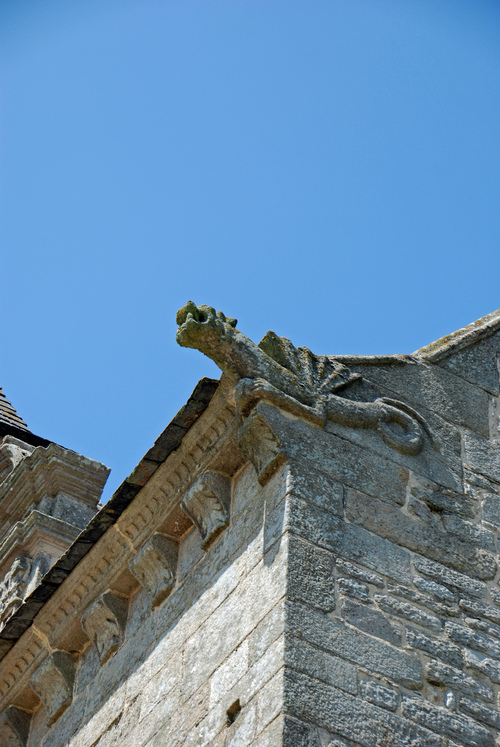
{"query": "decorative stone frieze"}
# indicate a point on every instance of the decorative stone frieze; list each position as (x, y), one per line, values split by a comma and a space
(104, 622)
(12, 451)
(207, 505)
(261, 446)
(13, 587)
(19, 721)
(53, 683)
(294, 379)
(155, 566)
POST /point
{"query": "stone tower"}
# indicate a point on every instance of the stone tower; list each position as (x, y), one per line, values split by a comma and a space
(307, 556)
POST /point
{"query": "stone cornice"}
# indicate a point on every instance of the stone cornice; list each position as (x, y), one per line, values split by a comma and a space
(38, 522)
(462, 338)
(100, 556)
(48, 471)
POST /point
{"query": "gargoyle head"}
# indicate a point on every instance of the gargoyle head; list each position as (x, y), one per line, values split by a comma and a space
(202, 328)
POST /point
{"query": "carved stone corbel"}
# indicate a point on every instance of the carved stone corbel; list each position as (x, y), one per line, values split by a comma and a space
(155, 566)
(20, 722)
(104, 622)
(261, 445)
(53, 683)
(207, 505)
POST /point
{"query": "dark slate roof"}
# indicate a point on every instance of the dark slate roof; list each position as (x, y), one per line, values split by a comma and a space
(8, 415)
(13, 425)
(164, 445)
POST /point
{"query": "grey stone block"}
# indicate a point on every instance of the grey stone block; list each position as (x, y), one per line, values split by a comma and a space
(407, 611)
(348, 569)
(491, 508)
(442, 674)
(316, 487)
(442, 721)
(435, 389)
(336, 637)
(482, 455)
(437, 590)
(354, 589)
(467, 637)
(384, 697)
(381, 518)
(351, 718)
(483, 664)
(348, 540)
(310, 574)
(477, 363)
(481, 610)
(450, 577)
(371, 621)
(317, 663)
(439, 648)
(480, 712)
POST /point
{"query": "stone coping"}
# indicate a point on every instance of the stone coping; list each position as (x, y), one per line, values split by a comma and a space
(462, 338)
(169, 440)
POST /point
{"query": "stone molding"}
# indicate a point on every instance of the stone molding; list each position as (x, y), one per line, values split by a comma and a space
(53, 683)
(12, 451)
(104, 622)
(207, 504)
(19, 720)
(212, 437)
(155, 567)
(48, 471)
(261, 445)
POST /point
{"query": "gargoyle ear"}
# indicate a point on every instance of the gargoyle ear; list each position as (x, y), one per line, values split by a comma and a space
(231, 322)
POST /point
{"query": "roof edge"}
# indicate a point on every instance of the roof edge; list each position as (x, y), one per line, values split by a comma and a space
(169, 440)
(450, 344)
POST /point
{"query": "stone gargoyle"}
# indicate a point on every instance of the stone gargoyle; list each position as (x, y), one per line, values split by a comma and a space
(293, 379)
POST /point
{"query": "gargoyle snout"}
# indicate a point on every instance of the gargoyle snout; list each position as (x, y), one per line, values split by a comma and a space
(190, 309)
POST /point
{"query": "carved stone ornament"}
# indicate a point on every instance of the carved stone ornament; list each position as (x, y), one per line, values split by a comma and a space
(104, 622)
(53, 683)
(13, 587)
(261, 446)
(207, 505)
(155, 566)
(20, 722)
(294, 379)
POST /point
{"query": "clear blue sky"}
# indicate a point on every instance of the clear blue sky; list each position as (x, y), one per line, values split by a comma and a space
(328, 169)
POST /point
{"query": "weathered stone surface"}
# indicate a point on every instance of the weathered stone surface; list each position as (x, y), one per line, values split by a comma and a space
(303, 657)
(207, 505)
(310, 574)
(477, 363)
(379, 695)
(334, 636)
(443, 721)
(467, 637)
(480, 712)
(341, 713)
(439, 648)
(348, 569)
(104, 622)
(354, 589)
(450, 577)
(20, 721)
(482, 455)
(155, 566)
(435, 389)
(424, 537)
(53, 683)
(442, 674)
(371, 621)
(350, 561)
(348, 540)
